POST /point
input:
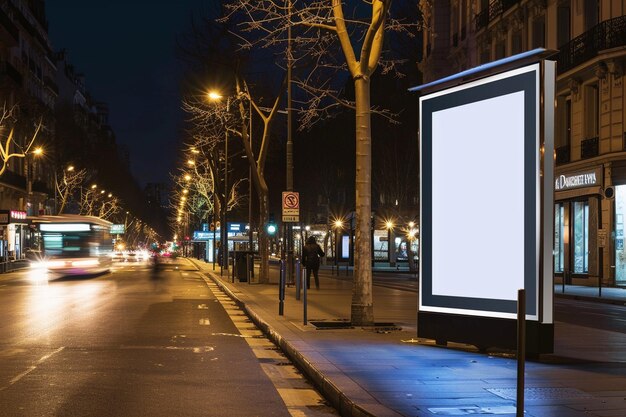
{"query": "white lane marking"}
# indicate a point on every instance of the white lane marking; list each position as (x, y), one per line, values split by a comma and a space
(204, 322)
(32, 367)
(194, 349)
(203, 307)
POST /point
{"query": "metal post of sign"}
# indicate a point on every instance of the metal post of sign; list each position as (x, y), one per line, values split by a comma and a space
(304, 305)
(281, 288)
(298, 278)
(521, 350)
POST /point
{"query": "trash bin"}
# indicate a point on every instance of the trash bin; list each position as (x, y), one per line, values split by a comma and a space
(241, 265)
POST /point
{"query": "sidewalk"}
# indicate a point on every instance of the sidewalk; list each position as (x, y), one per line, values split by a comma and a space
(387, 372)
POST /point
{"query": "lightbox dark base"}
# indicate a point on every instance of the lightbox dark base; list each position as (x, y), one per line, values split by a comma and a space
(484, 332)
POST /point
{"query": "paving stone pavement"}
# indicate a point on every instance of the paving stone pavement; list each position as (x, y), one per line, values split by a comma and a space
(387, 371)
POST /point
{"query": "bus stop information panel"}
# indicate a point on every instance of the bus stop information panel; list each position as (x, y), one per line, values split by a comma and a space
(484, 209)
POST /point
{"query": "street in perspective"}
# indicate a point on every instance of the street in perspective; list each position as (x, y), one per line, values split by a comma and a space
(128, 343)
(313, 208)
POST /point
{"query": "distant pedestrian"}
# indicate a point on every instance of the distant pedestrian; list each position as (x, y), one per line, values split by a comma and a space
(311, 254)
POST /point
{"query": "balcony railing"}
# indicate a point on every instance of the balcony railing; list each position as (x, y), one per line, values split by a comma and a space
(495, 9)
(605, 35)
(589, 148)
(562, 155)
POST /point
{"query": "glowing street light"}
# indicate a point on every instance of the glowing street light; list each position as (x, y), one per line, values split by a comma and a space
(214, 95)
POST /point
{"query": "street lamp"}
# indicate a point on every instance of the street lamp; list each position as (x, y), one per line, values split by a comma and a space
(216, 96)
(389, 225)
(338, 225)
(30, 167)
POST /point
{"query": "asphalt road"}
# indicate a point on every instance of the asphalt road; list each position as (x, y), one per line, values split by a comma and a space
(124, 345)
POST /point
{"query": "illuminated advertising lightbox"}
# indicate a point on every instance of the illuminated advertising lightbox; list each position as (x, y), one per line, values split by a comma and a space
(480, 206)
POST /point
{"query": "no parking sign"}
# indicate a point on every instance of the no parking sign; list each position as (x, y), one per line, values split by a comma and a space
(291, 207)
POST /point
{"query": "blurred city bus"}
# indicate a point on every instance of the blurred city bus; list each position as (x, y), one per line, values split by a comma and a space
(72, 244)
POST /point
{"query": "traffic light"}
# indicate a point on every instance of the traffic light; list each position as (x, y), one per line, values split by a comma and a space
(271, 225)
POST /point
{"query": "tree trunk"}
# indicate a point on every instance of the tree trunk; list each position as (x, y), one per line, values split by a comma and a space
(264, 250)
(362, 309)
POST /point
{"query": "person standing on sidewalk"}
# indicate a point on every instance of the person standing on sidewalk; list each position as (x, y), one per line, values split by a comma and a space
(311, 254)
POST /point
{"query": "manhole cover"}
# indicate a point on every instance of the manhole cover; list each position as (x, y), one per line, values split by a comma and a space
(472, 410)
(540, 393)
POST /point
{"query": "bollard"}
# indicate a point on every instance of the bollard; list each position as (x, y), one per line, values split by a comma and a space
(281, 289)
(233, 271)
(521, 350)
(250, 265)
(304, 306)
(298, 278)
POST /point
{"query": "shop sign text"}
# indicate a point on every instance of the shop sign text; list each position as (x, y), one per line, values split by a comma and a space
(565, 182)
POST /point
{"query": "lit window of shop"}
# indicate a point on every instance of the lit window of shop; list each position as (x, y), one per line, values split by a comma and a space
(559, 232)
(581, 237)
(620, 253)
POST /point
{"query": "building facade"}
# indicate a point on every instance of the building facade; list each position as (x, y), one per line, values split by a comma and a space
(590, 136)
(28, 94)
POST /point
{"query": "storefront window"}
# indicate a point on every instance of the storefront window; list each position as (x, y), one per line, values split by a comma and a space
(581, 237)
(620, 254)
(381, 245)
(559, 232)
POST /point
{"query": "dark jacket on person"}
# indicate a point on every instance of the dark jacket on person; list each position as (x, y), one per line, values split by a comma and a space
(311, 254)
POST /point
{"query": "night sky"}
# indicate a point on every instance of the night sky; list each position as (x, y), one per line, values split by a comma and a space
(126, 49)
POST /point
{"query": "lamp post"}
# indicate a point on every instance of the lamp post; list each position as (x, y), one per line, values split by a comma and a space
(215, 96)
(390, 254)
(30, 167)
(251, 230)
(338, 224)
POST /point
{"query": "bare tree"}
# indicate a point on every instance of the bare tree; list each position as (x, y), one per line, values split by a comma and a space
(321, 26)
(213, 122)
(95, 202)
(69, 187)
(9, 147)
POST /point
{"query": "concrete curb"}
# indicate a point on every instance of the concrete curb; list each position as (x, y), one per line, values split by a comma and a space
(339, 400)
(591, 299)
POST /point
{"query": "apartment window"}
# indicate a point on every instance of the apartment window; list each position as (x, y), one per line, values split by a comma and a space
(592, 111)
(463, 18)
(500, 50)
(516, 42)
(455, 25)
(563, 30)
(592, 11)
(539, 31)
(564, 121)
(484, 56)
(484, 5)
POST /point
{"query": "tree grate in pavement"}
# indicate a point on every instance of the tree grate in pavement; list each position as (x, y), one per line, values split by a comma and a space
(340, 324)
(543, 393)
